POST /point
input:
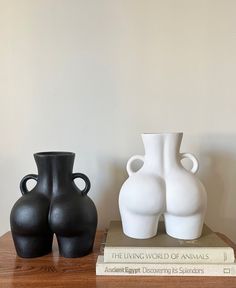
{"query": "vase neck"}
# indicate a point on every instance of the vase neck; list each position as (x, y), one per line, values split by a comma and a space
(162, 151)
(54, 172)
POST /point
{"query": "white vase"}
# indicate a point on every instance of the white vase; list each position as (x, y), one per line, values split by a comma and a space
(162, 186)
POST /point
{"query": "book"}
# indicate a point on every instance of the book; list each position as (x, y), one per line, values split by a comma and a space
(209, 248)
(168, 269)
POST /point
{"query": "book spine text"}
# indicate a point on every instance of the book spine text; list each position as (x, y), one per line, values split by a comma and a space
(169, 255)
(138, 269)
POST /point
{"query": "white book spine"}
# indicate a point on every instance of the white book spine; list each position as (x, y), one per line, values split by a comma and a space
(149, 269)
(169, 255)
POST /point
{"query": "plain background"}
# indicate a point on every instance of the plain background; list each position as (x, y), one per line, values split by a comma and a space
(91, 76)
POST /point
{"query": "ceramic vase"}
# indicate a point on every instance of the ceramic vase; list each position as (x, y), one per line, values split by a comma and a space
(162, 186)
(54, 205)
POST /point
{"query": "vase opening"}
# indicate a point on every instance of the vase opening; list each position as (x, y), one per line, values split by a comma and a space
(54, 153)
(162, 133)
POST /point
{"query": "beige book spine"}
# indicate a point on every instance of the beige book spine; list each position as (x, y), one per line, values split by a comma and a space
(149, 269)
(169, 255)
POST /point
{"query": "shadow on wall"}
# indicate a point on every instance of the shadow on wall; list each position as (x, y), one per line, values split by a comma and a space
(107, 203)
(218, 174)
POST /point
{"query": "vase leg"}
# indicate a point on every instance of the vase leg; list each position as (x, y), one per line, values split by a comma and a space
(139, 226)
(184, 227)
(77, 245)
(32, 246)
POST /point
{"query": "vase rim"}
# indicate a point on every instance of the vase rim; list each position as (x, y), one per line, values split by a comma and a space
(53, 154)
(162, 133)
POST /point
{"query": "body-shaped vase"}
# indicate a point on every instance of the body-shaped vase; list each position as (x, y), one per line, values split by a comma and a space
(162, 186)
(55, 205)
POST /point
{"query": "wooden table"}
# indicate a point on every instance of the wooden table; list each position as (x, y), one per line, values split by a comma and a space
(55, 271)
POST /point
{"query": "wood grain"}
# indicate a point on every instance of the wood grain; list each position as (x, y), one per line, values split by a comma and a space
(55, 271)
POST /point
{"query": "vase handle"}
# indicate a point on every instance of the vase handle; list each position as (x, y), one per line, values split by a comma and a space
(133, 158)
(86, 180)
(23, 187)
(190, 156)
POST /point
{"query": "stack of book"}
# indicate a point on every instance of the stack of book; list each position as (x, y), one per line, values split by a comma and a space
(163, 255)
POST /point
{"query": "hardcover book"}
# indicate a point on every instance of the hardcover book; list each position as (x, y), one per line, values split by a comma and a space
(209, 248)
(168, 269)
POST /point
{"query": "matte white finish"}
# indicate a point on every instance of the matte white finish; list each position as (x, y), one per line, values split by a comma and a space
(162, 186)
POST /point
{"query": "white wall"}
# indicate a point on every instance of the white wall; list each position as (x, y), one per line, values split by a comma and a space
(90, 76)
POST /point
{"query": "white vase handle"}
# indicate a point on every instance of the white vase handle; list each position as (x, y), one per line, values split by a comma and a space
(133, 158)
(190, 156)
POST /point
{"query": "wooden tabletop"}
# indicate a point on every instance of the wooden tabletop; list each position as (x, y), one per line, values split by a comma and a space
(55, 271)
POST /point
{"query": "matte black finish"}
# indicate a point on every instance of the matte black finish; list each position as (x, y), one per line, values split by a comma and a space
(55, 205)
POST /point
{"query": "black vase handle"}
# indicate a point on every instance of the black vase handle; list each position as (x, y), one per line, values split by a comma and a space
(86, 180)
(23, 187)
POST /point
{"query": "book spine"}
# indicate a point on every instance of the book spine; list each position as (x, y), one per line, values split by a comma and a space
(138, 269)
(169, 255)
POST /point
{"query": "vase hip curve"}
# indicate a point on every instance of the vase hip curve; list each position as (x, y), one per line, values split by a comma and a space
(141, 202)
(186, 203)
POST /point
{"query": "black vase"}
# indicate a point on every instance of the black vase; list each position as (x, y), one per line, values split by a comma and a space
(54, 205)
